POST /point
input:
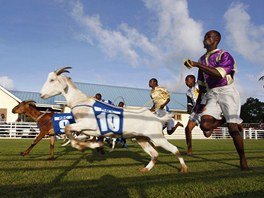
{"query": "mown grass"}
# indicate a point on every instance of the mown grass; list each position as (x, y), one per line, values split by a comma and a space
(213, 171)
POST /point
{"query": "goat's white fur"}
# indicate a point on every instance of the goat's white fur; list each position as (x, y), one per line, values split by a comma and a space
(140, 124)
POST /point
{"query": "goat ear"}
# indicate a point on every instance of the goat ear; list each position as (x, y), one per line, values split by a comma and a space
(61, 70)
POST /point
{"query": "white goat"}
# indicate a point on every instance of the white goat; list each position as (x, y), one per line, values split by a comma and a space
(140, 124)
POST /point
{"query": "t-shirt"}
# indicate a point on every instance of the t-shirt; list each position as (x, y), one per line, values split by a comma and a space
(159, 95)
(192, 95)
(223, 62)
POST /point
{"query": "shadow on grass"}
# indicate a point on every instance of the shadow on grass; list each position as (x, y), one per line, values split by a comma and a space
(161, 184)
(139, 186)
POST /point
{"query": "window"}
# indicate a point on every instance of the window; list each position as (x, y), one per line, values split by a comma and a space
(178, 117)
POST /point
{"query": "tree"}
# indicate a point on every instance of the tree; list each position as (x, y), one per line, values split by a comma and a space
(252, 111)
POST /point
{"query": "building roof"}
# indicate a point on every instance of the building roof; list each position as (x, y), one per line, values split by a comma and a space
(131, 96)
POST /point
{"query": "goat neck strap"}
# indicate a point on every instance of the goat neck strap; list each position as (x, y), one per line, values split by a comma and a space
(45, 122)
(81, 105)
(38, 118)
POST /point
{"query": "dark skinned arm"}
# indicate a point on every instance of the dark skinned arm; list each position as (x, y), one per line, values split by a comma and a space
(208, 70)
(165, 103)
(199, 107)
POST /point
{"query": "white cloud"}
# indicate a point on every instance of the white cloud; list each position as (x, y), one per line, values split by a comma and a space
(244, 37)
(177, 35)
(7, 83)
(245, 93)
(112, 42)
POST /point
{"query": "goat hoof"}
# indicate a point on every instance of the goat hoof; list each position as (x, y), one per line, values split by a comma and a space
(184, 169)
(22, 154)
(51, 158)
(143, 170)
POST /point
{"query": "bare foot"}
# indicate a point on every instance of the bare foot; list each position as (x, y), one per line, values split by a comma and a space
(179, 124)
(189, 152)
(243, 165)
(169, 132)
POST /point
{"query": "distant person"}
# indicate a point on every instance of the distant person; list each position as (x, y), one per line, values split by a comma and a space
(98, 96)
(216, 70)
(194, 118)
(121, 104)
(161, 97)
(261, 125)
(121, 139)
(3, 119)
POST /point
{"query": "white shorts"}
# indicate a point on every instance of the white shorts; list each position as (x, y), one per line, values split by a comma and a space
(223, 101)
(195, 117)
(170, 123)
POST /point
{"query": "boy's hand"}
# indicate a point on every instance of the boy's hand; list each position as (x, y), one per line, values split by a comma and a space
(188, 63)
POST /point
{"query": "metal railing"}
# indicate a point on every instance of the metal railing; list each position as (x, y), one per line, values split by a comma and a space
(252, 133)
(248, 133)
(19, 130)
(31, 130)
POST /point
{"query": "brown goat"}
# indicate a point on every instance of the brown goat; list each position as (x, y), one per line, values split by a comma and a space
(44, 122)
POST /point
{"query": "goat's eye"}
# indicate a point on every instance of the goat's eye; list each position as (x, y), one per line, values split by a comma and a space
(51, 80)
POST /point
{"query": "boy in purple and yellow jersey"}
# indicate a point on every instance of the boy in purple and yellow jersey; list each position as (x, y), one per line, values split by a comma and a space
(216, 72)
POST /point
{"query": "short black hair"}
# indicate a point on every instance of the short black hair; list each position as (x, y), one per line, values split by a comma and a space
(155, 80)
(190, 76)
(99, 95)
(217, 34)
(121, 104)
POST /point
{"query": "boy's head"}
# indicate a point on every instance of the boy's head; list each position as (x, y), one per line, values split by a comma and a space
(190, 81)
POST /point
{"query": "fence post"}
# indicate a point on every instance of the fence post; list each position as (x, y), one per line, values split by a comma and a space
(10, 130)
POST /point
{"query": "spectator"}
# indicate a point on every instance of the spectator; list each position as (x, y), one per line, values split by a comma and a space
(98, 97)
(2, 119)
(261, 125)
(121, 104)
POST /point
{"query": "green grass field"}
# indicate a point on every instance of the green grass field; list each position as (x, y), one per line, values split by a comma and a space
(212, 171)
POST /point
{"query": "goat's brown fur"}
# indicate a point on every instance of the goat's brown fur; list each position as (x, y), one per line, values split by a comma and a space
(43, 121)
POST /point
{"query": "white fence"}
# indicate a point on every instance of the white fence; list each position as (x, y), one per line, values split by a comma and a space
(248, 133)
(252, 133)
(19, 130)
(30, 130)
(219, 133)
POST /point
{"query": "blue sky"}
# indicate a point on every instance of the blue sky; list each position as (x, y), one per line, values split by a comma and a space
(127, 42)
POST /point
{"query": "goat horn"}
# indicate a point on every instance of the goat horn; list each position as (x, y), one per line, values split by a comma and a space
(61, 70)
(30, 101)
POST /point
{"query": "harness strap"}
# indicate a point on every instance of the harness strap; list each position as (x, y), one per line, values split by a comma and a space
(38, 118)
(46, 121)
(81, 105)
